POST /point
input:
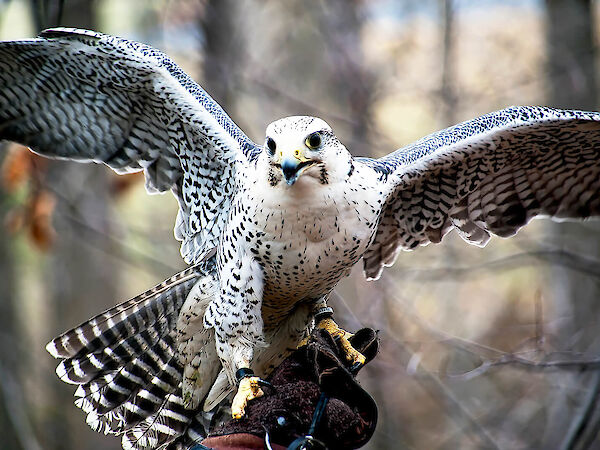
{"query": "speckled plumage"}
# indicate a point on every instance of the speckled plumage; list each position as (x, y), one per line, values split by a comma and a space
(281, 236)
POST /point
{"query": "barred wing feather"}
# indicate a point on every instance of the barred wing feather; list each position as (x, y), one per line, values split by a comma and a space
(490, 175)
(81, 95)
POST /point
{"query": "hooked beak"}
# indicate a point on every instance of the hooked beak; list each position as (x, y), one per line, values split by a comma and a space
(293, 165)
(289, 168)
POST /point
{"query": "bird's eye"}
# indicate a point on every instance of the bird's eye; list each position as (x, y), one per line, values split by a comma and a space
(313, 140)
(271, 145)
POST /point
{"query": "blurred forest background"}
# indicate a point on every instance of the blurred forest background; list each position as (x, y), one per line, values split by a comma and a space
(492, 348)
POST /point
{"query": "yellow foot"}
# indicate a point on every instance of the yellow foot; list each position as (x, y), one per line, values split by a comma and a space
(248, 389)
(356, 358)
(303, 342)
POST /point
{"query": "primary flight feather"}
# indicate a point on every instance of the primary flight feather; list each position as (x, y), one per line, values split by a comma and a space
(269, 230)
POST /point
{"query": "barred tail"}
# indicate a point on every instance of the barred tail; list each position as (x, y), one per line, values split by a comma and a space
(128, 365)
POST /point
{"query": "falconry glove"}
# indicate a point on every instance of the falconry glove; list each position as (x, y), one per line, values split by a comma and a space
(317, 374)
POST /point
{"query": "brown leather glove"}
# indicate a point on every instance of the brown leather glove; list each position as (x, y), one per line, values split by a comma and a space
(316, 375)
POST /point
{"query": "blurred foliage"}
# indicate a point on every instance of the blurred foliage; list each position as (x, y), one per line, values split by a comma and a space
(466, 333)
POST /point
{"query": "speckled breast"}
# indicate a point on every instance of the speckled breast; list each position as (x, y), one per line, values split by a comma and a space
(305, 250)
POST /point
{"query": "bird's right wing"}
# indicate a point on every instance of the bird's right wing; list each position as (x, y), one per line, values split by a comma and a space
(80, 95)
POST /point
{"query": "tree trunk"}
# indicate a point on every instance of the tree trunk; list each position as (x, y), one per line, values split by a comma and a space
(448, 85)
(352, 82)
(574, 415)
(223, 48)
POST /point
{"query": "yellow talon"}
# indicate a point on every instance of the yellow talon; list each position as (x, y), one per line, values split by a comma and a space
(352, 355)
(248, 389)
(303, 342)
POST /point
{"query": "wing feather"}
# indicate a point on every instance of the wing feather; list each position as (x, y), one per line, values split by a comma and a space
(488, 176)
(80, 95)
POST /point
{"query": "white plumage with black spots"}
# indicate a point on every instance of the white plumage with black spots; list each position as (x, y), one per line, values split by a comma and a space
(269, 230)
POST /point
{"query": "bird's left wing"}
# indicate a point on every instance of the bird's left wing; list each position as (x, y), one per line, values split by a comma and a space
(490, 175)
(86, 96)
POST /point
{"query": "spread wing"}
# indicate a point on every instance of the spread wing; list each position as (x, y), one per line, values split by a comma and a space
(80, 95)
(490, 175)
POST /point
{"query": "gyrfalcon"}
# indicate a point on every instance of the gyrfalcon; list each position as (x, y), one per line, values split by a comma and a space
(268, 230)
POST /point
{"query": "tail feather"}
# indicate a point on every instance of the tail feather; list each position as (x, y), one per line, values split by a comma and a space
(161, 428)
(128, 363)
(153, 368)
(127, 318)
(86, 367)
(121, 400)
(151, 397)
(194, 433)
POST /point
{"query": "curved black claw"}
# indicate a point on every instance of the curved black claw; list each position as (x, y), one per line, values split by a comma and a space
(265, 383)
(249, 388)
(356, 367)
(245, 372)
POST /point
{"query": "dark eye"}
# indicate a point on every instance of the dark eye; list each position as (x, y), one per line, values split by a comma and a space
(313, 140)
(271, 145)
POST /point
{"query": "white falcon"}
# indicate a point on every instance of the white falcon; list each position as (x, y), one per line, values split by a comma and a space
(286, 220)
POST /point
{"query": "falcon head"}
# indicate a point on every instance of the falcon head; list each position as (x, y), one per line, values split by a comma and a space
(304, 148)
